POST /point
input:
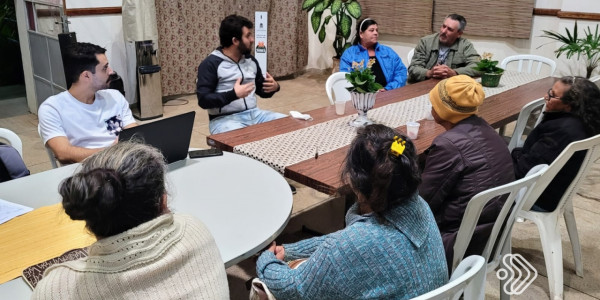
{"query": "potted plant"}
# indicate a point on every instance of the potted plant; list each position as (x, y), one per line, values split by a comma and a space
(587, 46)
(342, 12)
(490, 72)
(363, 91)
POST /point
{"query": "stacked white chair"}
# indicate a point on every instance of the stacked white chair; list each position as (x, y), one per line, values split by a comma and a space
(498, 243)
(530, 61)
(336, 85)
(13, 139)
(53, 160)
(548, 222)
(526, 112)
(468, 279)
(409, 57)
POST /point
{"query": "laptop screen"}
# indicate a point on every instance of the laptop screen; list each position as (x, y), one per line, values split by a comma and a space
(170, 135)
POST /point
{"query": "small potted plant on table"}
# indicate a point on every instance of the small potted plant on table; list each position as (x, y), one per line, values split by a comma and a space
(363, 91)
(490, 72)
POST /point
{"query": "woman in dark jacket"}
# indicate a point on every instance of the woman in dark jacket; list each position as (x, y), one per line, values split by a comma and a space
(572, 113)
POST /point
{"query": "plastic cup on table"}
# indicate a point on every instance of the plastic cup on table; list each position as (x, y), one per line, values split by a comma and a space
(412, 130)
(340, 107)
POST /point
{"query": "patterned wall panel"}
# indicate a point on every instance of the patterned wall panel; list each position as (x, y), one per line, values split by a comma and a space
(188, 32)
(400, 17)
(490, 18)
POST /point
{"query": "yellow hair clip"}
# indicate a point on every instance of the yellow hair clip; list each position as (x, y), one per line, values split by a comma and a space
(398, 146)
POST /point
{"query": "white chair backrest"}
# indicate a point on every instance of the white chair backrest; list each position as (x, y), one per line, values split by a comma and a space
(409, 57)
(516, 192)
(336, 87)
(592, 157)
(517, 137)
(468, 278)
(53, 160)
(13, 139)
(531, 59)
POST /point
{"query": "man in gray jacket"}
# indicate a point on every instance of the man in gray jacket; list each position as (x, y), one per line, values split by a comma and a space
(444, 54)
(229, 79)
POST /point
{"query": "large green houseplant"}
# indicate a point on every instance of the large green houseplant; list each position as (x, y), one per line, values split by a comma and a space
(342, 12)
(587, 46)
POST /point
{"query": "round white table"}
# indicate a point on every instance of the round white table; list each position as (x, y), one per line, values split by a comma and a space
(245, 204)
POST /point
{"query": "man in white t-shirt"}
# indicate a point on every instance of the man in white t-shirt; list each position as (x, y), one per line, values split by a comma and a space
(88, 117)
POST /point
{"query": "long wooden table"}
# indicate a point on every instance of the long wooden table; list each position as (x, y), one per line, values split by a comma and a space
(323, 173)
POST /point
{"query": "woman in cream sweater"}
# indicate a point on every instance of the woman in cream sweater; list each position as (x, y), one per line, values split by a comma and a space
(143, 250)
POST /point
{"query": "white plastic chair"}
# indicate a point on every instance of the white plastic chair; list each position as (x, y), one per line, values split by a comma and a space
(515, 192)
(410, 55)
(13, 139)
(53, 160)
(337, 84)
(530, 59)
(517, 137)
(547, 222)
(468, 278)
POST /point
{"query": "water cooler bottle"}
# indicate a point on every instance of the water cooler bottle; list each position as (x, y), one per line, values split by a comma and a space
(149, 94)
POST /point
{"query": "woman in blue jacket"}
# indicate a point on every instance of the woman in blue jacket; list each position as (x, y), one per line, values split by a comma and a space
(388, 68)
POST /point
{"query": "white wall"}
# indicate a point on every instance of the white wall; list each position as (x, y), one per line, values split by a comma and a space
(320, 54)
(91, 3)
(107, 32)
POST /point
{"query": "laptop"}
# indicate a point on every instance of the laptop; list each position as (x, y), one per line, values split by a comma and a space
(170, 135)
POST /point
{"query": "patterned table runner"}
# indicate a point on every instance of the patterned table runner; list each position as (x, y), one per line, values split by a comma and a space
(293, 147)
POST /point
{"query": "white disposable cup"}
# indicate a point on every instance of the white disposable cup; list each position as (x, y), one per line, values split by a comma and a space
(412, 130)
(428, 114)
(340, 107)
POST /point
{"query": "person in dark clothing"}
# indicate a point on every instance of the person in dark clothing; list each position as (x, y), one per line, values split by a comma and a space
(470, 157)
(12, 165)
(572, 113)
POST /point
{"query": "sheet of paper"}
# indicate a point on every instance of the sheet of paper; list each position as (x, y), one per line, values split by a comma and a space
(9, 210)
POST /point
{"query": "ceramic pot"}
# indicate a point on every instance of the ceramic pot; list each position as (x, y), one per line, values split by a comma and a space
(363, 102)
(336, 65)
(490, 79)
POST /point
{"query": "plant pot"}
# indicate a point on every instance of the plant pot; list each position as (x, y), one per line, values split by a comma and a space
(490, 79)
(336, 65)
(363, 102)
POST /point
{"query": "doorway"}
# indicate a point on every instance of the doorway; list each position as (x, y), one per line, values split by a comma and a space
(41, 21)
(12, 84)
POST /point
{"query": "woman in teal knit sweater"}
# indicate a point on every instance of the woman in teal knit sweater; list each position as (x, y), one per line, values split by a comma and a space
(391, 246)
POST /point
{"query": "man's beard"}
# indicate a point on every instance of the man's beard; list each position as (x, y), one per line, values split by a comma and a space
(243, 49)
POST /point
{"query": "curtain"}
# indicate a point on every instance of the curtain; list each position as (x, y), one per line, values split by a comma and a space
(490, 18)
(188, 31)
(400, 17)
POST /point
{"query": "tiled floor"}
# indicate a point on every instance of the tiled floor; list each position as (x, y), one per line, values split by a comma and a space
(307, 92)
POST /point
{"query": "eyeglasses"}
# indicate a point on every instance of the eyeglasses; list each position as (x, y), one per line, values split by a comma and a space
(551, 95)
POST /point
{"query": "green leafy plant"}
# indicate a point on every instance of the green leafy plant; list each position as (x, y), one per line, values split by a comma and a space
(342, 12)
(487, 65)
(587, 46)
(362, 78)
